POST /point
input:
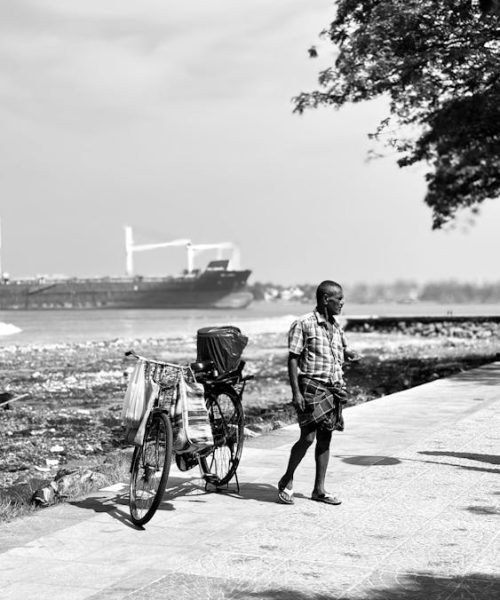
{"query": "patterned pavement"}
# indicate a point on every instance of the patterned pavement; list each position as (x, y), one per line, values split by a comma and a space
(417, 472)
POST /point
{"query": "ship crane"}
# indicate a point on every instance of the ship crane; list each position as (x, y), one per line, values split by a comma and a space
(193, 249)
(130, 248)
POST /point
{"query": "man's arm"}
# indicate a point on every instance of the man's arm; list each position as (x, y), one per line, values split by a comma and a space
(293, 374)
(349, 354)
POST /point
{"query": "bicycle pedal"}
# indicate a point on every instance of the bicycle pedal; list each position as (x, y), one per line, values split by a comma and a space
(204, 452)
(185, 462)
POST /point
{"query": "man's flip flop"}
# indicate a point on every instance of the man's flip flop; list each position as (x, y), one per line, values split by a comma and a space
(326, 499)
(285, 496)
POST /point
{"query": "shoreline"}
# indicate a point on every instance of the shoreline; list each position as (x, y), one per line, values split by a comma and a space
(78, 326)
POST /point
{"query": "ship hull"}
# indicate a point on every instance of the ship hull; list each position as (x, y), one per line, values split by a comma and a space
(225, 290)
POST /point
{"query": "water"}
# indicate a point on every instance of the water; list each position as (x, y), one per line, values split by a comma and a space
(51, 327)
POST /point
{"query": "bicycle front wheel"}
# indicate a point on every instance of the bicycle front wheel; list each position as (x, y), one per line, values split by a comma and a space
(150, 469)
(225, 413)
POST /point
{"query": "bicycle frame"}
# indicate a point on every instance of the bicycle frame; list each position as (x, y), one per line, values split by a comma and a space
(233, 384)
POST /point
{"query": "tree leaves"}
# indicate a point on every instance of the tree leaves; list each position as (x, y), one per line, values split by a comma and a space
(439, 64)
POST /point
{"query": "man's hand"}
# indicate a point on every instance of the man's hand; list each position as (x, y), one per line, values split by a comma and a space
(298, 401)
(352, 355)
(340, 394)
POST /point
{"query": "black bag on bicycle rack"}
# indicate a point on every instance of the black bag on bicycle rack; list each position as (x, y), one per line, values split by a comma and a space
(221, 345)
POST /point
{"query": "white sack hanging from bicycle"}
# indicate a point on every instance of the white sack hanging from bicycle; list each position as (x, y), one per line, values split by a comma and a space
(138, 402)
(135, 396)
(189, 417)
(135, 435)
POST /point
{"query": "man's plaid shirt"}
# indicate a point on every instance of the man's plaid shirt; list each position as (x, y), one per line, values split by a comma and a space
(320, 357)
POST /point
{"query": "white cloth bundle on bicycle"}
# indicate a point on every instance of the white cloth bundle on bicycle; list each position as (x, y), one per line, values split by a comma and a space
(135, 435)
(139, 399)
(134, 403)
(189, 416)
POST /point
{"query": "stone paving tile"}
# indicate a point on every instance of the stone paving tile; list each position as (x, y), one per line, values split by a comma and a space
(222, 564)
(134, 556)
(387, 482)
(73, 542)
(303, 579)
(290, 581)
(210, 502)
(253, 457)
(34, 526)
(17, 571)
(201, 587)
(350, 548)
(382, 526)
(43, 591)
(266, 544)
(488, 561)
(453, 469)
(478, 587)
(239, 514)
(279, 439)
(44, 549)
(260, 491)
(65, 573)
(405, 504)
(405, 508)
(126, 585)
(206, 531)
(478, 515)
(111, 509)
(394, 585)
(257, 473)
(162, 536)
(449, 551)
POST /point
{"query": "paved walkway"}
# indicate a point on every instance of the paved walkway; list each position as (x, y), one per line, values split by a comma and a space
(417, 472)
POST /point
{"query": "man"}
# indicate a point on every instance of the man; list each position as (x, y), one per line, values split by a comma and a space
(317, 349)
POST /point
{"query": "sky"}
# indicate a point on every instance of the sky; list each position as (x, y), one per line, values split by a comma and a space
(176, 118)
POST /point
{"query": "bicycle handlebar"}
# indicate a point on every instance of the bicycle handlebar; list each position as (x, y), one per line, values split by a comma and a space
(154, 361)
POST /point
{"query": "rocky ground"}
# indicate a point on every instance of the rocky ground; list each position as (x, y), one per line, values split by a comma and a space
(72, 411)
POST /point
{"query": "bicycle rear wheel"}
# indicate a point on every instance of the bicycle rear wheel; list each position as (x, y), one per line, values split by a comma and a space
(150, 469)
(225, 413)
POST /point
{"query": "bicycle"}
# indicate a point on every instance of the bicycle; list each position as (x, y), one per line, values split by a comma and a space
(218, 461)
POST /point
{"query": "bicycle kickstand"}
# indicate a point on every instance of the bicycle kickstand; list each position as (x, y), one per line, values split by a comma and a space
(210, 481)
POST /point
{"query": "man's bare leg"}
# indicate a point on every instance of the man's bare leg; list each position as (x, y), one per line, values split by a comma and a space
(297, 453)
(322, 457)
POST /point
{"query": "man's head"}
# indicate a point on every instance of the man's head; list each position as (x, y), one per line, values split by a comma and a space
(329, 297)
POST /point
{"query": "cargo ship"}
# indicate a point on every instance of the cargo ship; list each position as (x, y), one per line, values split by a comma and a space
(219, 285)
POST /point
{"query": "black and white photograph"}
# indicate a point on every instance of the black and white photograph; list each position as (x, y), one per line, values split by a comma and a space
(249, 299)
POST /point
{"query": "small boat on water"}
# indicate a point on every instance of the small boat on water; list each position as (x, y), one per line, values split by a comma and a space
(219, 285)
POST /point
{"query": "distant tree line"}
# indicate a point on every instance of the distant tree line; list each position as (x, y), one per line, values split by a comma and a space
(402, 291)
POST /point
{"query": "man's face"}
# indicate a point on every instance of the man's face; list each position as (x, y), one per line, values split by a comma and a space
(334, 301)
